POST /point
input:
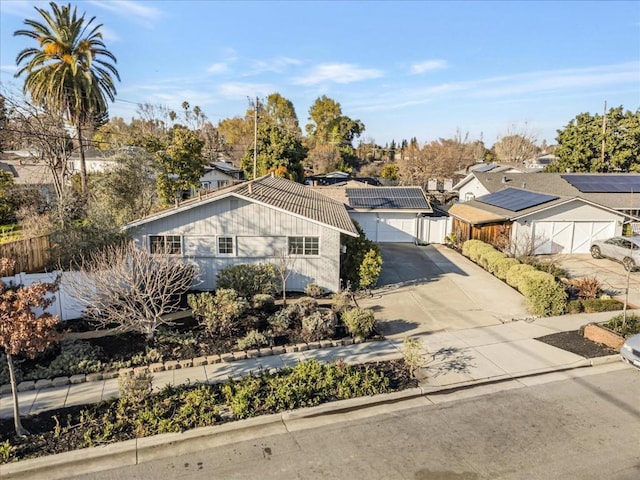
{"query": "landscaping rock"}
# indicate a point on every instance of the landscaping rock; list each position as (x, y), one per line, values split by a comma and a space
(265, 352)
(60, 381)
(253, 353)
(24, 386)
(156, 367)
(302, 347)
(337, 343)
(43, 383)
(326, 343)
(108, 375)
(74, 379)
(239, 355)
(140, 370)
(171, 365)
(313, 345)
(125, 371)
(94, 377)
(291, 348)
(227, 357)
(213, 359)
(188, 363)
(278, 350)
(347, 341)
(199, 361)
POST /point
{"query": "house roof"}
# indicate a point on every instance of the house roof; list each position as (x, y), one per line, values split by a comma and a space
(278, 193)
(554, 184)
(477, 212)
(28, 172)
(359, 197)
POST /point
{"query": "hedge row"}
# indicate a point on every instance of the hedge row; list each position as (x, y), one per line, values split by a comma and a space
(543, 295)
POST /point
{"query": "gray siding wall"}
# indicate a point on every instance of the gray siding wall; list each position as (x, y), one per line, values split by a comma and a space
(260, 235)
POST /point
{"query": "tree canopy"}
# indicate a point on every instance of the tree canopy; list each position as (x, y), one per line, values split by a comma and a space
(580, 143)
(70, 72)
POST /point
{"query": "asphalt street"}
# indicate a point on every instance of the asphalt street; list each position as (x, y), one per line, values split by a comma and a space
(582, 428)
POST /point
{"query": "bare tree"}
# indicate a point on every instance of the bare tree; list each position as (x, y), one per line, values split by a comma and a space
(284, 266)
(516, 146)
(131, 287)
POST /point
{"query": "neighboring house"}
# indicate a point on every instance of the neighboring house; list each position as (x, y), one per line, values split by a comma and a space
(29, 172)
(218, 175)
(338, 178)
(268, 219)
(540, 162)
(535, 222)
(390, 214)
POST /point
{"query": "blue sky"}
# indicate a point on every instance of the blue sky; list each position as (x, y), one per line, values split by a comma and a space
(423, 69)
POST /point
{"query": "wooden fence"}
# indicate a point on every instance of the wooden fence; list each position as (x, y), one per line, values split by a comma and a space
(31, 254)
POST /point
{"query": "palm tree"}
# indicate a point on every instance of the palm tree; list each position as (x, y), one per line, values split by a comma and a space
(70, 72)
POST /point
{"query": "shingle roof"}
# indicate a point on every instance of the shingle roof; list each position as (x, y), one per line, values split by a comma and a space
(279, 193)
(554, 184)
(360, 197)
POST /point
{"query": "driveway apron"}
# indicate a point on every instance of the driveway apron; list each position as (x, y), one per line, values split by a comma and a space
(432, 288)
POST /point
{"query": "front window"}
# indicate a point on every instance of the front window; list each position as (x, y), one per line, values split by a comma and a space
(171, 244)
(225, 245)
(304, 246)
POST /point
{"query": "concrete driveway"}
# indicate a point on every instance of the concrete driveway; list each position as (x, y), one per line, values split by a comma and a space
(433, 288)
(612, 275)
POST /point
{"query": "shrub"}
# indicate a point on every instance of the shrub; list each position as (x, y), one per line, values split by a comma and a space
(360, 322)
(318, 325)
(75, 357)
(254, 339)
(575, 306)
(249, 279)
(136, 387)
(543, 294)
(592, 305)
(263, 301)
(517, 273)
(341, 301)
(490, 259)
(503, 265)
(413, 355)
(470, 245)
(217, 314)
(370, 269)
(626, 329)
(280, 321)
(476, 252)
(313, 290)
(587, 287)
(306, 306)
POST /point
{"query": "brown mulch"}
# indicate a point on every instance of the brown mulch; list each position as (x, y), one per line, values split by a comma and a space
(574, 342)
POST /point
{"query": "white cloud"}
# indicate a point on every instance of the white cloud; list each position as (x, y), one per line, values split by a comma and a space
(276, 65)
(428, 66)
(136, 11)
(337, 73)
(219, 67)
(239, 89)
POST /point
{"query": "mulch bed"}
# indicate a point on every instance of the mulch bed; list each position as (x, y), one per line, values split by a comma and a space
(574, 342)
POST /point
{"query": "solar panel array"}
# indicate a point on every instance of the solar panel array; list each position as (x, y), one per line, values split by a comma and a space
(486, 168)
(515, 200)
(396, 197)
(604, 183)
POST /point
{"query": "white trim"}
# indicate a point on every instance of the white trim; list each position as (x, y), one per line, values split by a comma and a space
(234, 246)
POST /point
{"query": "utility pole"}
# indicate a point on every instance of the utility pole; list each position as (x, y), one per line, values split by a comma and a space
(604, 130)
(255, 138)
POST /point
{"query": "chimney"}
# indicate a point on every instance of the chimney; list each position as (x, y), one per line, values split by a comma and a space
(504, 179)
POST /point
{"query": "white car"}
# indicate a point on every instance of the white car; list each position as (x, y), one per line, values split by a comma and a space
(630, 351)
(622, 249)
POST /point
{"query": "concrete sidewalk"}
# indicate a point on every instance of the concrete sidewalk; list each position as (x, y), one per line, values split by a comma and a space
(452, 358)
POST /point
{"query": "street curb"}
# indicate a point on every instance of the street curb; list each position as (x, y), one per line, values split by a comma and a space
(146, 449)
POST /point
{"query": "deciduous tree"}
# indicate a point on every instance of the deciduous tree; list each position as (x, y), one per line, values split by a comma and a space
(131, 286)
(517, 146)
(22, 330)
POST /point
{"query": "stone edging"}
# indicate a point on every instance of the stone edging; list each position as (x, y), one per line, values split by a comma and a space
(179, 364)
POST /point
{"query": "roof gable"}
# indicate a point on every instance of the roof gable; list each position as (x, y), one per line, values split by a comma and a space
(279, 193)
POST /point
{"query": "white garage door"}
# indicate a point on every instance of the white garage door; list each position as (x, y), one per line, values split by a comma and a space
(388, 227)
(569, 237)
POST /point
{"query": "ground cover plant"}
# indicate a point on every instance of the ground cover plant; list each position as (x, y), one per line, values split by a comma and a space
(175, 409)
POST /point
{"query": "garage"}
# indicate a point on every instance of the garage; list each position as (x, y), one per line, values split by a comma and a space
(570, 236)
(387, 227)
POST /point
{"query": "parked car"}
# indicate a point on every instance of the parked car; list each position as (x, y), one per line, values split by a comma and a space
(622, 249)
(630, 351)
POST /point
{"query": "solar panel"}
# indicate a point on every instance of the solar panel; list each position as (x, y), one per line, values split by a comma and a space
(605, 183)
(515, 200)
(486, 168)
(390, 197)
